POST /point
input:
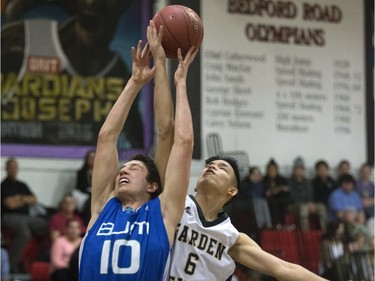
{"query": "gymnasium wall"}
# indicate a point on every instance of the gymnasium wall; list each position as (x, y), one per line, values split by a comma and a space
(273, 81)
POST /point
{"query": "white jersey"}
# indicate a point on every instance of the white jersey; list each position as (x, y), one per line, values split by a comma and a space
(200, 250)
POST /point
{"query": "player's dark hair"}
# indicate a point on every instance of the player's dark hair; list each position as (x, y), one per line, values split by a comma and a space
(153, 174)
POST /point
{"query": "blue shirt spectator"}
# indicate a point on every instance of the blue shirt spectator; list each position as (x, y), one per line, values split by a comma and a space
(365, 187)
(5, 268)
(345, 197)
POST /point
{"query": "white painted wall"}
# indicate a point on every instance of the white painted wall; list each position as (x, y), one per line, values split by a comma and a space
(50, 179)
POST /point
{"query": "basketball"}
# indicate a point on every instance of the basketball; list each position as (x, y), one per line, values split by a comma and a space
(182, 28)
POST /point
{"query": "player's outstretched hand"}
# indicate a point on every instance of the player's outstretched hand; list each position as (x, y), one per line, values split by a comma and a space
(154, 39)
(184, 63)
(141, 71)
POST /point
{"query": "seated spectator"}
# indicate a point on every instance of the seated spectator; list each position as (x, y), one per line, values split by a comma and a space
(371, 229)
(323, 184)
(254, 183)
(74, 266)
(67, 211)
(82, 191)
(83, 180)
(343, 168)
(241, 211)
(365, 187)
(62, 250)
(302, 195)
(345, 197)
(17, 201)
(357, 232)
(249, 212)
(277, 193)
(360, 246)
(333, 252)
(5, 268)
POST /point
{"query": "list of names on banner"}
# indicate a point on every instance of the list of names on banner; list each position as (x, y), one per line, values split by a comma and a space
(227, 90)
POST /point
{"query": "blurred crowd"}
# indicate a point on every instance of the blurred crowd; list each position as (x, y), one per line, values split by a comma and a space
(58, 231)
(337, 202)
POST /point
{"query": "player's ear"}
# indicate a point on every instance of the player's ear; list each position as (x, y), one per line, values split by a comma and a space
(152, 187)
(233, 191)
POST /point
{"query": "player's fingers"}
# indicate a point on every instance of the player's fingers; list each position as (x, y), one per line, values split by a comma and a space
(139, 49)
(145, 50)
(194, 54)
(153, 30)
(179, 55)
(134, 55)
(191, 54)
(161, 31)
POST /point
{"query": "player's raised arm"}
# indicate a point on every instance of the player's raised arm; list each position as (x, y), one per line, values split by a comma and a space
(106, 163)
(178, 168)
(163, 104)
(248, 253)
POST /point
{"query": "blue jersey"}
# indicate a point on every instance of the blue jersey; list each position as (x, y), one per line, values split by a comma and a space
(124, 245)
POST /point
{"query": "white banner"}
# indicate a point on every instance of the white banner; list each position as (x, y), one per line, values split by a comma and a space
(285, 78)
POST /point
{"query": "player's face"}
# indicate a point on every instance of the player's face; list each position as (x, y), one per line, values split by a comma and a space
(132, 178)
(218, 174)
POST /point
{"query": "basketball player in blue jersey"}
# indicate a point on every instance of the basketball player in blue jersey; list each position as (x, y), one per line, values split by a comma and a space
(133, 224)
(207, 245)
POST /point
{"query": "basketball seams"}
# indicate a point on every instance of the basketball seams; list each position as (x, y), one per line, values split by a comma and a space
(183, 28)
(187, 26)
(166, 28)
(190, 25)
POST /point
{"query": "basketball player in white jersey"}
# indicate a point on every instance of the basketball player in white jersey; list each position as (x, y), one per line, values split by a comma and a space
(132, 227)
(207, 245)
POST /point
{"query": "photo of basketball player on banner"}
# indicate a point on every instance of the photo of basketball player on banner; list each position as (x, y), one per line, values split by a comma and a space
(63, 67)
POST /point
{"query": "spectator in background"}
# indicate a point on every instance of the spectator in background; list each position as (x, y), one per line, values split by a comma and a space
(345, 197)
(62, 250)
(343, 168)
(302, 195)
(74, 266)
(333, 252)
(17, 201)
(323, 184)
(365, 187)
(82, 191)
(357, 232)
(5, 268)
(67, 211)
(241, 211)
(359, 246)
(249, 212)
(277, 192)
(83, 181)
(254, 183)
